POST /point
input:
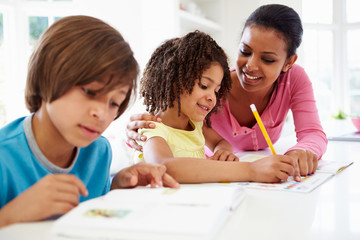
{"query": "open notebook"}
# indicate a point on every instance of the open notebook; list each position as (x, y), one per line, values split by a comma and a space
(192, 212)
(326, 169)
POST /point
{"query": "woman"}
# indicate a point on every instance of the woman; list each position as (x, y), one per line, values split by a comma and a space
(267, 76)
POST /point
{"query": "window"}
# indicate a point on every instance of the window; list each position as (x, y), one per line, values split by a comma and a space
(37, 26)
(331, 54)
(21, 24)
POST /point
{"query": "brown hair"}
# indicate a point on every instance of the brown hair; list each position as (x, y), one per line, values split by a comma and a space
(174, 68)
(76, 51)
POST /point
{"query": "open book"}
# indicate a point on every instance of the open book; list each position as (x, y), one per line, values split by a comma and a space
(195, 211)
(326, 169)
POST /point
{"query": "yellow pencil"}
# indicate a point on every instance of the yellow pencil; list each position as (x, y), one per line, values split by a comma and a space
(263, 130)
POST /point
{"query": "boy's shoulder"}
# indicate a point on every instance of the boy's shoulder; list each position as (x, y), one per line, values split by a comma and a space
(100, 146)
(101, 141)
(11, 131)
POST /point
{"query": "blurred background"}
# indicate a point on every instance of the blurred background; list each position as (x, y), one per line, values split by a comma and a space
(330, 51)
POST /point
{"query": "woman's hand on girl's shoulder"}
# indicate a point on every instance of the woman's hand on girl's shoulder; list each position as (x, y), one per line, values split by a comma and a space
(142, 120)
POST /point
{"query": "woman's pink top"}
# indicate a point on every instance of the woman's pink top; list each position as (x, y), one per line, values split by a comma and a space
(293, 91)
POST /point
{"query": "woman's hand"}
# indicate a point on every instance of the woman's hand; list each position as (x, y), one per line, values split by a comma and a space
(139, 121)
(224, 155)
(306, 159)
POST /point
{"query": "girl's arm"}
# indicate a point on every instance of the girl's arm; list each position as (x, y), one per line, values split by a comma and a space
(195, 170)
(222, 149)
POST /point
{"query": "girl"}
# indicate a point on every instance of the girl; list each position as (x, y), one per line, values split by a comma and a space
(184, 83)
(266, 75)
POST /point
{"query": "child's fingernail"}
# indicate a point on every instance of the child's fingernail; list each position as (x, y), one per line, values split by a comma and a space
(158, 119)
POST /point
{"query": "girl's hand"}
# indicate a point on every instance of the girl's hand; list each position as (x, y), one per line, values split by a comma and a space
(139, 121)
(52, 195)
(142, 174)
(306, 159)
(224, 155)
(273, 169)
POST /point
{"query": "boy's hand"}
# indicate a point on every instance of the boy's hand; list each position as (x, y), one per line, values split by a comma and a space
(274, 168)
(143, 174)
(306, 159)
(52, 195)
(139, 121)
(224, 155)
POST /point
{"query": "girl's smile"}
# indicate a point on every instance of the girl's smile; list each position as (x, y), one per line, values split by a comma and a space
(203, 94)
(206, 109)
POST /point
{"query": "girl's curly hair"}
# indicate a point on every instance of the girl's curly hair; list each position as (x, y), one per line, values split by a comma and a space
(174, 68)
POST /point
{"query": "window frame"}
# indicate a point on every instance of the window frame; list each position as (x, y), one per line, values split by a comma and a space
(340, 82)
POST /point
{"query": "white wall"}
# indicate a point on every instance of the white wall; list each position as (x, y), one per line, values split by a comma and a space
(234, 14)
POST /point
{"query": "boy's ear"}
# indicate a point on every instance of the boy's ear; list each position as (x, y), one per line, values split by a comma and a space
(289, 62)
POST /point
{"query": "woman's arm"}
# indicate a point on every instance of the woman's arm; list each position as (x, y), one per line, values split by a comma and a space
(309, 132)
(311, 140)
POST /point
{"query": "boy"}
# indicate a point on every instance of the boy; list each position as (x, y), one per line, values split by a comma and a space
(81, 77)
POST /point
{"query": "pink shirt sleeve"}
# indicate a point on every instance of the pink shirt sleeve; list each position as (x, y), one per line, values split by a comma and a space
(309, 132)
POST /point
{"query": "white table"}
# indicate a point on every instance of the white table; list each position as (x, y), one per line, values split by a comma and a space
(331, 211)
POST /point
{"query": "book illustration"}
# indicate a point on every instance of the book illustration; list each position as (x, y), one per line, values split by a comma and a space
(333, 167)
(250, 158)
(169, 191)
(106, 213)
(307, 183)
(325, 170)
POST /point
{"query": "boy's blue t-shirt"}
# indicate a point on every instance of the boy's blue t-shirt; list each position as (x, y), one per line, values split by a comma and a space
(22, 164)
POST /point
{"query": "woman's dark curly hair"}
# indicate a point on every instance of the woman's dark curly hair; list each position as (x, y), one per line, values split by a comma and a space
(174, 68)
